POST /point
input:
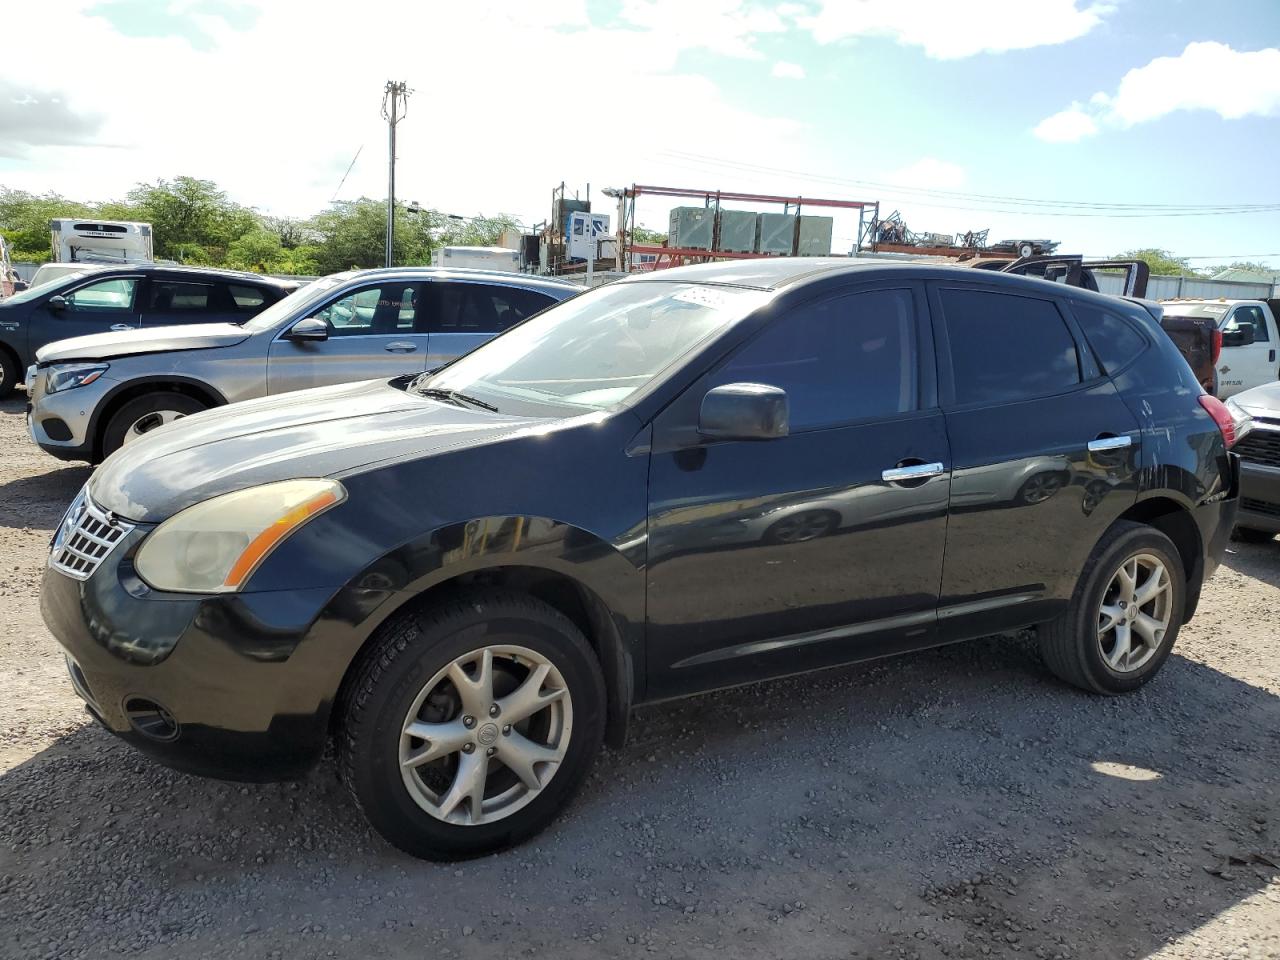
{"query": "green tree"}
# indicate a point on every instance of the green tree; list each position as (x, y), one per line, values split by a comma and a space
(186, 215)
(258, 250)
(1252, 266)
(24, 221)
(478, 231)
(646, 236)
(1162, 262)
(352, 234)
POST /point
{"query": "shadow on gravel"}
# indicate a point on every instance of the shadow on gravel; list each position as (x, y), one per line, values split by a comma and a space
(951, 803)
(40, 501)
(1258, 560)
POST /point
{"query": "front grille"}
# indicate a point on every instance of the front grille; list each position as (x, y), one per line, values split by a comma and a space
(1260, 445)
(1260, 506)
(85, 537)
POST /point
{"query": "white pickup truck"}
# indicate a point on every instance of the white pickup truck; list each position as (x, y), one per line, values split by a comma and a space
(1250, 339)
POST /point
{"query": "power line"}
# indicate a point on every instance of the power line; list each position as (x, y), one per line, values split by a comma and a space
(1060, 208)
(347, 174)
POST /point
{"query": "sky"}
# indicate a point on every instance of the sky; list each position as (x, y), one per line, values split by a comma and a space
(1085, 122)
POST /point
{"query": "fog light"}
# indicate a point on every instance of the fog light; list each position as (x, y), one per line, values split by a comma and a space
(150, 719)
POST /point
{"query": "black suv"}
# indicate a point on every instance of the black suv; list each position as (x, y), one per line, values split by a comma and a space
(697, 478)
(101, 299)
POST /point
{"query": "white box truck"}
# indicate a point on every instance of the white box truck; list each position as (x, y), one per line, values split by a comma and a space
(100, 241)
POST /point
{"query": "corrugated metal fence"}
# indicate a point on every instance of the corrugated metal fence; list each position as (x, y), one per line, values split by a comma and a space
(1167, 288)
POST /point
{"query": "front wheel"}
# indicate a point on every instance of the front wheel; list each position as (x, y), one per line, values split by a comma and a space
(472, 724)
(9, 374)
(143, 414)
(1125, 614)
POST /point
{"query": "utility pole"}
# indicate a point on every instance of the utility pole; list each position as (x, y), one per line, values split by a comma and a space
(395, 104)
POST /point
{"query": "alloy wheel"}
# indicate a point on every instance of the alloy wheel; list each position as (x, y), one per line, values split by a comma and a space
(1135, 613)
(149, 421)
(485, 735)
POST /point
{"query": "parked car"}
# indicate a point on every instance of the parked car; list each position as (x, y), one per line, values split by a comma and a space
(470, 577)
(1247, 339)
(136, 299)
(91, 395)
(1259, 518)
(47, 272)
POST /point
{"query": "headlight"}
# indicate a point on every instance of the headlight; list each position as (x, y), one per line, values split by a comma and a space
(68, 376)
(216, 545)
(1241, 417)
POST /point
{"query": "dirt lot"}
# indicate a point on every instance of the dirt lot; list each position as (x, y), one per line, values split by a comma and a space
(957, 803)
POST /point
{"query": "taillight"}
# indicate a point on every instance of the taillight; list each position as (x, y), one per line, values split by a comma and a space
(1221, 416)
(1216, 349)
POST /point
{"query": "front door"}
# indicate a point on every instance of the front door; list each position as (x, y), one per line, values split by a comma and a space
(1251, 364)
(98, 306)
(770, 557)
(375, 332)
(1043, 453)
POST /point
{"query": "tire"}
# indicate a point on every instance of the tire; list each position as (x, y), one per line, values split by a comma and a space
(389, 691)
(9, 374)
(1075, 649)
(165, 404)
(1026, 250)
(1250, 535)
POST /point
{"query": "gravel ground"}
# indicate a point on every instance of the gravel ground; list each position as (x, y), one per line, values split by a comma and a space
(954, 803)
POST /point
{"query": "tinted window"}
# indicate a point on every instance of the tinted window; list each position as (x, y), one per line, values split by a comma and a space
(1006, 347)
(386, 309)
(104, 295)
(247, 298)
(479, 308)
(1249, 315)
(839, 360)
(1114, 340)
(171, 296)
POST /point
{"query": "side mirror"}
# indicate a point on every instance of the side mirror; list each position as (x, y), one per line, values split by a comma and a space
(1241, 336)
(310, 328)
(744, 411)
(56, 303)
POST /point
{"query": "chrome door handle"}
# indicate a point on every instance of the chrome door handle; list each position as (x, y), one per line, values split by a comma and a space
(917, 471)
(400, 347)
(1110, 443)
(121, 327)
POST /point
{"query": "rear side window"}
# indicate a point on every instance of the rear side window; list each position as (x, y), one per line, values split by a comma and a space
(840, 360)
(1007, 347)
(1113, 339)
(247, 298)
(168, 296)
(480, 308)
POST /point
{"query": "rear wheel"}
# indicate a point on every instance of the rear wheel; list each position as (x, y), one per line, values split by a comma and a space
(143, 414)
(1250, 535)
(9, 374)
(1124, 616)
(472, 724)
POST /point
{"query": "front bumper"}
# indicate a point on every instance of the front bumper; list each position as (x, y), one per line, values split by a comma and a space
(241, 682)
(61, 423)
(1259, 497)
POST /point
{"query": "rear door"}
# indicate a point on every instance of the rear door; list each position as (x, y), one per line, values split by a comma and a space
(97, 305)
(179, 300)
(770, 557)
(1248, 365)
(465, 313)
(1044, 452)
(376, 331)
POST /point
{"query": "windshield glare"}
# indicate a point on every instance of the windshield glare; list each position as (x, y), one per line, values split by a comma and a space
(294, 303)
(598, 349)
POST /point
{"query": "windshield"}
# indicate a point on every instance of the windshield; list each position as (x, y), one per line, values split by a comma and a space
(598, 349)
(44, 286)
(295, 304)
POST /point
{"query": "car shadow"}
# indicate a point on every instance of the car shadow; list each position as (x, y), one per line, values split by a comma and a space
(1261, 561)
(39, 501)
(956, 802)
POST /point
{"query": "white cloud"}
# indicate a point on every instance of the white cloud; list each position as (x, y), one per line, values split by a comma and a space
(727, 27)
(1066, 126)
(930, 173)
(786, 70)
(1206, 76)
(949, 30)
(279, 136)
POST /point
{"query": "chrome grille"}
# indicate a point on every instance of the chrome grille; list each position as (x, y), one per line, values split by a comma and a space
(1260, 445)
(85, 537)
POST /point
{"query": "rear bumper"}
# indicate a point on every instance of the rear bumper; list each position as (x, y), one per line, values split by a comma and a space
(1259, 497)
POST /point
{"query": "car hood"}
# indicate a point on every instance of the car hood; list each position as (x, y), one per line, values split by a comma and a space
(1263, 401)
(124, 343)
(311, 433)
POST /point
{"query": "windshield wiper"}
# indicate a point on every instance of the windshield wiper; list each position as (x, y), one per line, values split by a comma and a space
(452, 396)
